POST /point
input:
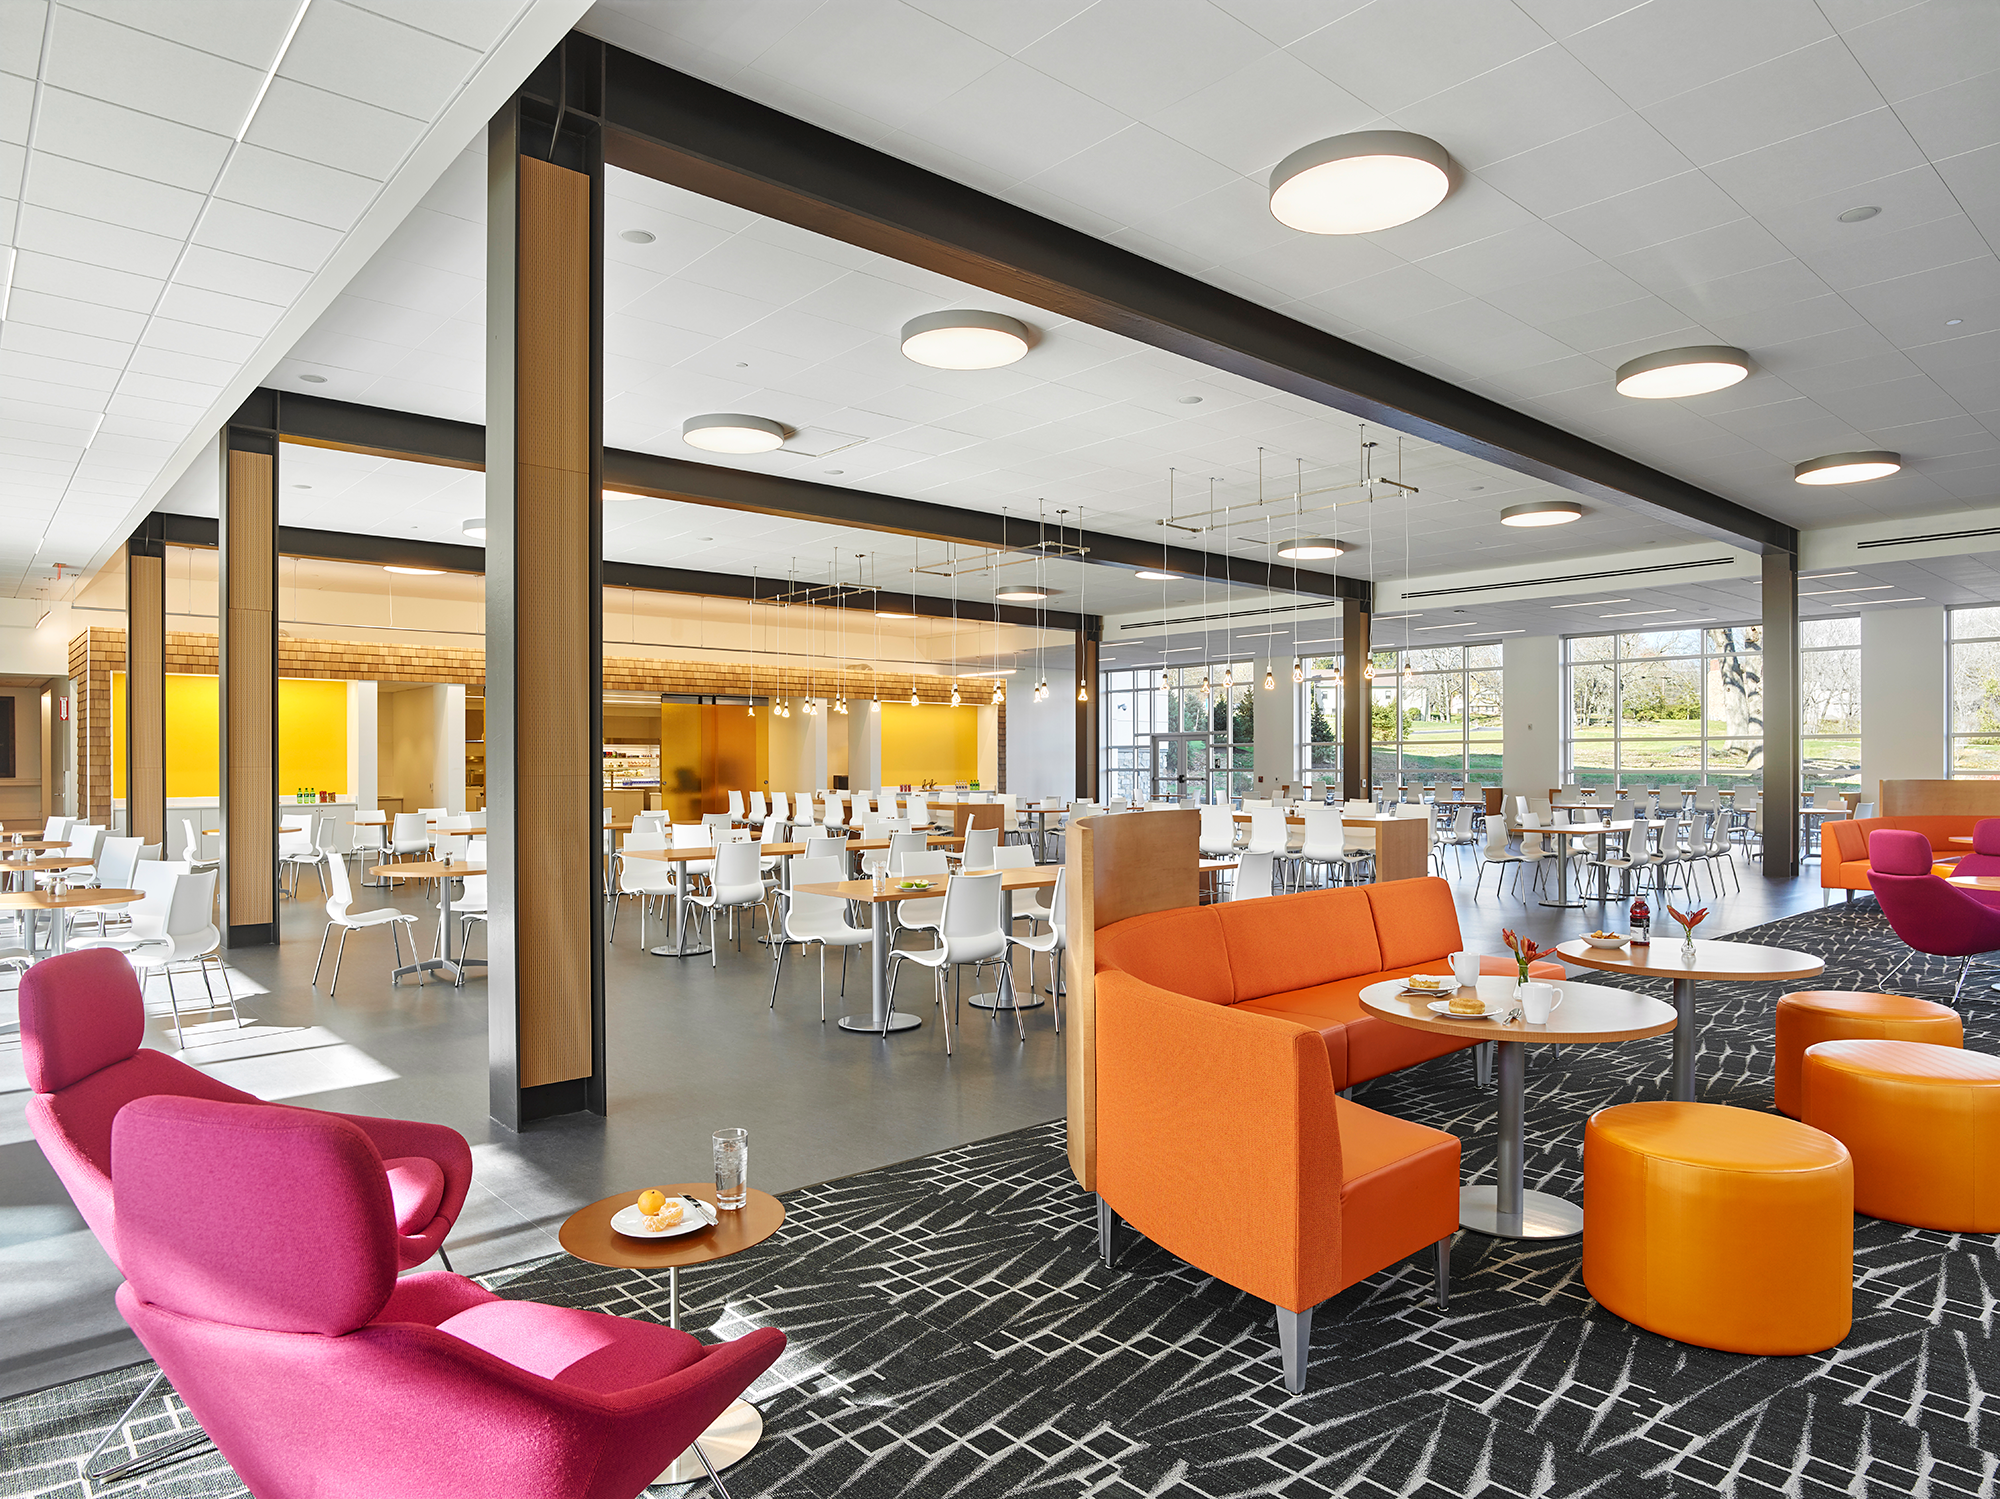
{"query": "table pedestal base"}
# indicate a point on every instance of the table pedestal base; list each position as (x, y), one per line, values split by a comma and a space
(728, 1441)
(1542, 1215)
(900, 1021)
(984, 1001)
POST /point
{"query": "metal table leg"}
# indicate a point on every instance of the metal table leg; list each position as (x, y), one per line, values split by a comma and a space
(1507, 1209)
(1562, 900)
(878, 982)
(1686, 1037)
(734, 1433)
(680, 922)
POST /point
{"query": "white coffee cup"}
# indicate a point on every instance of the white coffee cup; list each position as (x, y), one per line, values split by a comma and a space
(1538, 1002)
(1465, 968)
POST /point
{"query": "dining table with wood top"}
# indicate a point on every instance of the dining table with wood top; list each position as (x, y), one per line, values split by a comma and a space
(1728, 962)
(444, 873)
(1584, 1014)
(57, 905)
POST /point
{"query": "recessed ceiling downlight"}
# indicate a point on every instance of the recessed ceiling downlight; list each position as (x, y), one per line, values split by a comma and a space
(965, 340)
(732, 432)
(1311, 549)
(1155, 575)
(1022, 593)
(1360, 182)
(1848, 468)
(475, 528)
(1542, 513)
(1682, 372)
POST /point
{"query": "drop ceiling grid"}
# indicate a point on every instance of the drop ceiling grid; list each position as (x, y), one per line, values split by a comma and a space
(149, 261)
(1666, 174)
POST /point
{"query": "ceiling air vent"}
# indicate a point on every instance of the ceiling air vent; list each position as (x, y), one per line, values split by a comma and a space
(1907, 541)
(1595, 575)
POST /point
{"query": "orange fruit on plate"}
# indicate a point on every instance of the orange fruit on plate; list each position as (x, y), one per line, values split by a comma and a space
(651, 1201)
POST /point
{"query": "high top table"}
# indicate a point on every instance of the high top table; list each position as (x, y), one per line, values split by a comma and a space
(1588, 1014)
(1742, 962)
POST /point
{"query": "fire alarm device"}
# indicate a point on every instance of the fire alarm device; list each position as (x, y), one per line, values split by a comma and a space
(62, 709)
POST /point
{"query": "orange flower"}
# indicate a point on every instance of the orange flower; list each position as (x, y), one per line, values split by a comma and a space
(1689, 919)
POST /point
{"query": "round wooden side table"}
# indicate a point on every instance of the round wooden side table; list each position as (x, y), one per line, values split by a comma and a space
(588, 1235)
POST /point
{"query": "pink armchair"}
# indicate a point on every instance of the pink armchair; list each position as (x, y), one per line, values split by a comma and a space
(259, 1246)
(1932, 916)
(1984, 858)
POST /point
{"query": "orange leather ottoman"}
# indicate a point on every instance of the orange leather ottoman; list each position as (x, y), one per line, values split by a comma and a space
(1922, 1123)
(1816, 1015)
(1719, 1227)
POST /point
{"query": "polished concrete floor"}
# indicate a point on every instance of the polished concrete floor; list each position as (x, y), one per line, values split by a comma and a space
(692, 1048)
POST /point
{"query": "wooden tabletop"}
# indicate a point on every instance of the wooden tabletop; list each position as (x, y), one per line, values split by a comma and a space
(1961, 837)
(588, 1234)
(1588, 1013)
(29, 845)
(54, 863)
(1712, 960)
(426, 869)
(1034, 877)
(706, 851)
(1582, 829)
(48, 900)
(1975, 881)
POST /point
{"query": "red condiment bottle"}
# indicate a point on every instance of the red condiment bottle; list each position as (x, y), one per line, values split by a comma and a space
(1642, 923)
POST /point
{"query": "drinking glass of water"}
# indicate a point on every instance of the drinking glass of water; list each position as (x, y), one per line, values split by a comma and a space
(732, 1168)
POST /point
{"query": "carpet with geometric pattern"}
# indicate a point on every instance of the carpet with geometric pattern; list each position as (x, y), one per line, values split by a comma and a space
(953, 1333)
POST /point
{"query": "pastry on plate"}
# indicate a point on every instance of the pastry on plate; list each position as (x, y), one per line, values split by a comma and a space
(1467, 1004)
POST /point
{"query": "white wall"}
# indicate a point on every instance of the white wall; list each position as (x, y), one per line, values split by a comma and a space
(989, 747)
(1905, 700)
(1531, 743)
(1276, 720)
(447, 708)
(363, 743)
(864, 746)
(798, 750)
(1041, 737)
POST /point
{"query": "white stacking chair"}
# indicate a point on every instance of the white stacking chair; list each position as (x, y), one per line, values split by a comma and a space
(1218, 832)
(113, 867)
(1533, 855)
(339, 913)
(1254, 872)
(1010, 819)
(1053, 942)
(969, 931)
(650, 880)
(758, 810)
(690, 874)
(56, 829)
(1271, 833)
(191, 853)
(816, 918)
(1458, 837)
(86, 839)
(919, 810)
(826, 848)
(1498, 854)
(925, 912)
(1325, 843)
(296, 850)
(367, 843)
(979, 846)
(1828, 799)
(409, 837)
(781, 807)
(174, 926)
(836, 811)
(736, 809)
(736, 886)
(902, 845)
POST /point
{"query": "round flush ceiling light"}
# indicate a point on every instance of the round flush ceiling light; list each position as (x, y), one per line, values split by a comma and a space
(964, 340)
(1848, 468)
(475, 528)
(1022, 593)
(1682, 372)
(1542, 513)
(1312, 548)
(1155, 575)
(732, 432)
(1359, 183)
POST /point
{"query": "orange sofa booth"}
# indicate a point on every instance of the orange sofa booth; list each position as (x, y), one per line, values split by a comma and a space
(1940, 810)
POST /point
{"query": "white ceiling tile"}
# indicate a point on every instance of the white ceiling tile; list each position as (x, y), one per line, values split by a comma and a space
(403, 283)
(244, 31)
(1018, 119)
(766, 273)
(1474, 211)
(1570, 292)
(1374, 53)
(114, 62)
(95, 242)
(1131, 173)
(31, 307)
(297, 189)
(217, 309)
(1480, 118)
(1790, 96)
(477, 26)
(1261, 113)
(876, 56)
(1913, 309)
(1608, 328)
(1961, 117)
(1652, 52)
(1307, 264)
(1587, 166)
(1785, 283)
(241, 275)
(1922, 47)
(1974, 178)
(1666, 210)
(94, 192)
(17, 103)
(86, 283)
(1283, 22)
(1007, 28)
(1522, 254)
(339, 132)
(153, 360)
(110, 135)
(53, 371)
(1859, 150)
(1899, 252)
(60, 343)
(1140, 56)
(362, 55)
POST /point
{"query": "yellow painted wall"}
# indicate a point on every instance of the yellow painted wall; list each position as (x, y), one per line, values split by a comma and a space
(312, 736)
(929, 743)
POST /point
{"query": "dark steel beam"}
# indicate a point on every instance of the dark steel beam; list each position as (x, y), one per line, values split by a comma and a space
(676, 129)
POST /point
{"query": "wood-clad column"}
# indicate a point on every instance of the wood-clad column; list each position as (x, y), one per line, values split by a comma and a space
(1356, 726)
(1779, 665)
(544, 640)
(247, 606)
(146, 685)
(1086, 712)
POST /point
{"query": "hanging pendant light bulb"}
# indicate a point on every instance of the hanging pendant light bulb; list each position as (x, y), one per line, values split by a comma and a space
(751, 711)
(1271, 681)
(913, 694)
(954, 692)
(1082, 692)
(1205, 688)
(875, 703)
(1298, 669)
(1368, 671)
(1166, 680)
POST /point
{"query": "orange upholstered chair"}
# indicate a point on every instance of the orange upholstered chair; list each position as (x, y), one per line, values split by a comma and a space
(1719, 1226)
(1221, 1139)
(1815, 1015)
(1922, 1123)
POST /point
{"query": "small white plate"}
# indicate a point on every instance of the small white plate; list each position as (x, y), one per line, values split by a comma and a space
(1448, 984)
(913, 884)
(1492, 1012)
(632, 1223)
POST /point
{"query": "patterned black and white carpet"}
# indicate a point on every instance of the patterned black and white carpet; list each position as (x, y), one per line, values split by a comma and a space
(952, 1333)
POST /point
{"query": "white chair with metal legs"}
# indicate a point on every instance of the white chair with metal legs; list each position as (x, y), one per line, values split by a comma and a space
(1218, 832)
(293, 860)
(978, 852)
(1496, 854)
(145, 918)
(649, 880)
(191, 853)
(1458, 837)
(1254, 873)
(339, 913)
(1054, 942)
(1325, 844)
(736, 809)
(968, 932)
(921, 915)
(735, 887)
(903, 844)
(758, 810)
(189, 937)
(816, 918)
(781, 810)
(409, 837)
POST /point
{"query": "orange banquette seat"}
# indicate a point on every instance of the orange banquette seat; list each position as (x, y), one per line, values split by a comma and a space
(1222, 1036)
(1843, 845)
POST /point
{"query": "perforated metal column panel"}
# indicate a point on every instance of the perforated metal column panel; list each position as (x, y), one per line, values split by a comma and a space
(1355, 723)
(1086, 712)
(145, 691)
(1779, 663)
(248, 666)
(544, 649)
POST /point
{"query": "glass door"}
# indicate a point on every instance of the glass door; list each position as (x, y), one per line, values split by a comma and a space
(1180, 767)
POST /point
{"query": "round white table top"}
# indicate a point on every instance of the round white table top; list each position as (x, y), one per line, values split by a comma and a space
(1712, 960)
(1585, 1013)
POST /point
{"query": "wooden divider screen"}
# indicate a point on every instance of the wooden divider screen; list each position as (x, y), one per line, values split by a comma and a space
(146, 699)
(1967, 798)
(1120, 865)
(249, 669)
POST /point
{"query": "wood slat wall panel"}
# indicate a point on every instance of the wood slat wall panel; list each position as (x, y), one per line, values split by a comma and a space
(145, 705)
(249, 706)
(1118, 867)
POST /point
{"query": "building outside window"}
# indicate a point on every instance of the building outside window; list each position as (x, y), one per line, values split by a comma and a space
(1179, 740)
(1435, 714)
(1830, 702)
(1318, 759)
(1975, 692)
(1665, 708)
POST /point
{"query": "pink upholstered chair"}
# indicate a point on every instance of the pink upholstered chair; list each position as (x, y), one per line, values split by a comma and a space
(1984, 858)
(1932, 916)
(259, 1248)
(82, 1022)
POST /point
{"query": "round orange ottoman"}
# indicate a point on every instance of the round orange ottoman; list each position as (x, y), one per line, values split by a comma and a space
(1719, 1226)
(1817, 1015)
(1922, 1123)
